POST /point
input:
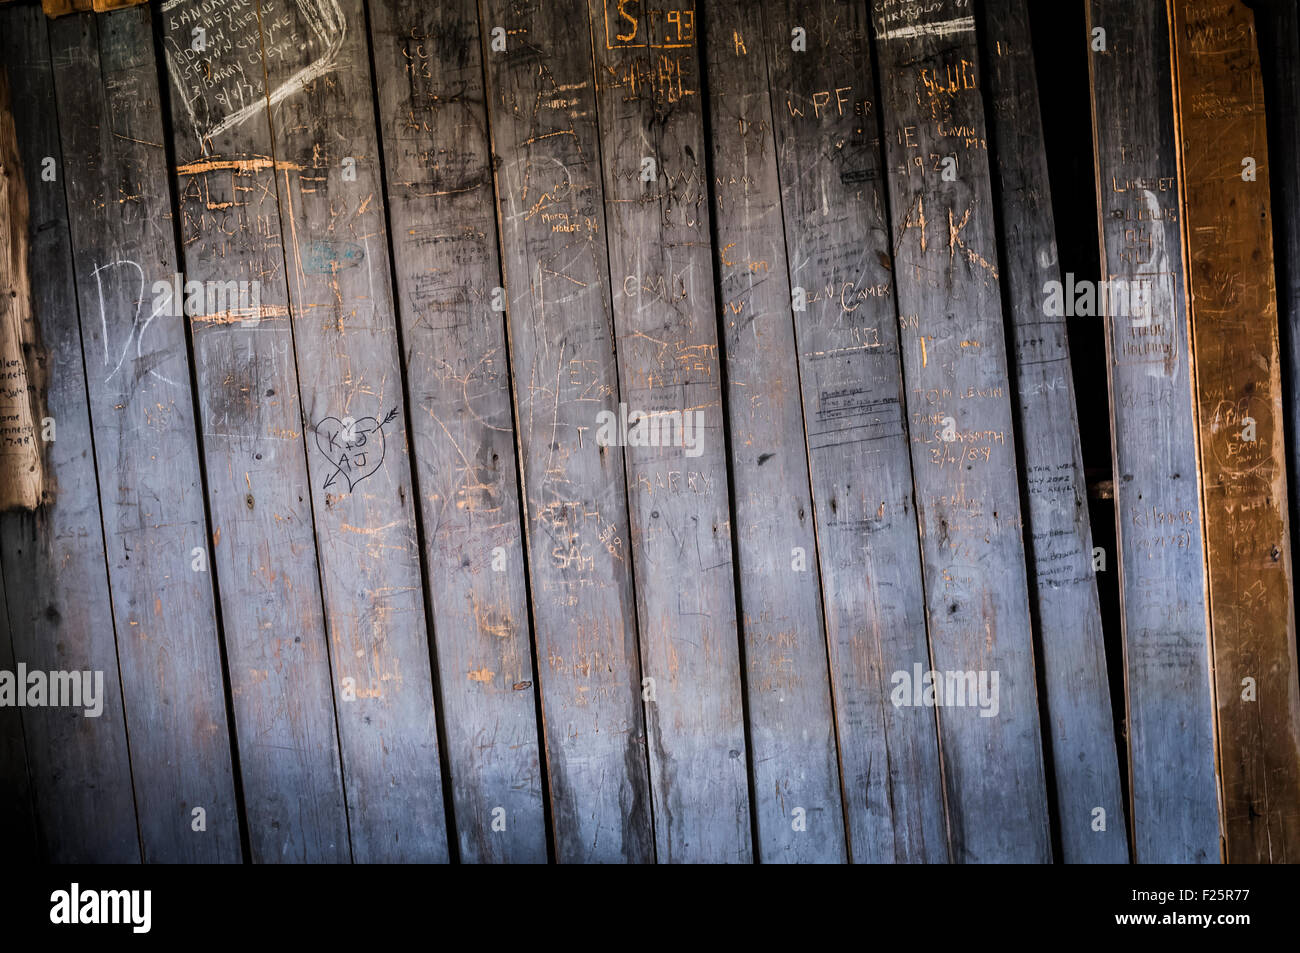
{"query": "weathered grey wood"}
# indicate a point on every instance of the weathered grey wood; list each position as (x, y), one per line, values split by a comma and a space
(1174, 798)
(17, 812)
(55, 575)
(429, 74)
(141, 407)
(661, 276)
(955, 369)
(1224, 163)
(1077, 707)
(837, 238)
(541, 102)
(791, 719)
(354, 421)
(1278, 32)
(252, 429)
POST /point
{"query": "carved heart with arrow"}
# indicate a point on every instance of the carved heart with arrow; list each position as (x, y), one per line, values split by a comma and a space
(354, 446)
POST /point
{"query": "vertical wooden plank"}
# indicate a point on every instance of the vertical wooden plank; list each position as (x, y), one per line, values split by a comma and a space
(429, 71)
(791, 719)
(138, 379)
(657, 220)
(1080, 726)
(955, 367)
(349, 374)
(1223, 153)
(79, 767)
(837, 237)
(253, 440)
(1174, 799)
(541, 103)
(17, 814)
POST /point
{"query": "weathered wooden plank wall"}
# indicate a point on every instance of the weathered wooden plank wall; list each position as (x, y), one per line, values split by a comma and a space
(963, 447)
(429, 77)
(138, 380)
(798, 807)
(1228, 229)
(837, 236)
(226, 183)
(78, 768)
(542, 107)
(661, 279)
(471, 252)
(1173, 791)
(1089, 809)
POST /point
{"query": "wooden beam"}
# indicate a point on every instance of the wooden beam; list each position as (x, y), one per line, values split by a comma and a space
(429, 72)
(1174, 796)
(141, 407)
(963, 443)
(332, 217)
(661, 277)
(837, 237)
(542, 106)
(797, 796)
(79, 768)
(1228, 230)
(1081, 730)
(254, 453)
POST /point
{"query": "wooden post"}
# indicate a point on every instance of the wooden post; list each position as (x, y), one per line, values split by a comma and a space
(332, 219)
(1089, 801)
(657, 220)
(542, 106)
(1174, 797)
(79, 768)
(429, 71)
(791, 715)
(841, 271)
(963, 442)
(254, 453)
(142, 410)
(1228, 230)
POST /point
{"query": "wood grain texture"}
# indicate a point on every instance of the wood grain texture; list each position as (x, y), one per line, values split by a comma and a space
(657, 220)
(1223, 154)
(1174, 798)
(1081, 728)
(17, 810)
(837, 237)
(542, 104)
(141, 407)
(253, 442)
(791, 718)
(355, 420)
(429, 70)
(79, 768)
(955, 369)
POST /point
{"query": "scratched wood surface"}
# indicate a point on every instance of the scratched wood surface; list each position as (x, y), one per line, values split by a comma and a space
(78, 768)
(657, 220)
(151, 494)
(837, 236)
(550, 208)
(1173, 790)
(17, 810)
(1223, 152)
(429, 76)
(1077, 709)
(253, 438)
(958, 400)
(798, 803)
(334, 227)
